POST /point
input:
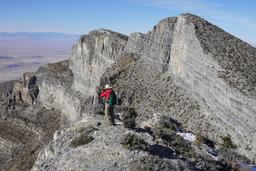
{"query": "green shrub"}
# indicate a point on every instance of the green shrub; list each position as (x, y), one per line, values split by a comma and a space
(203, 140)
(129, 118)
(171, 139)
(84, 137)
(227, 142)
(156, 163)
(133, 141)
(166, 122)
(199, 139)
(81, 140)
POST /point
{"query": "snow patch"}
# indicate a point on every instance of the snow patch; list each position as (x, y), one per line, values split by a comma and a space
(187, 136)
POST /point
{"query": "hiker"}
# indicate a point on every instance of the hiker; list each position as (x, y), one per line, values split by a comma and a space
(110, 100)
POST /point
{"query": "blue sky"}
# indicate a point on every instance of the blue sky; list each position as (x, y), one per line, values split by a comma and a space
(80, 16)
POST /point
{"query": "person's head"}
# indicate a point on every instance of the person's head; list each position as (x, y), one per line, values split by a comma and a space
(107, 86)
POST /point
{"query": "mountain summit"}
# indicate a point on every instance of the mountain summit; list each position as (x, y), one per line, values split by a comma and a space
(184, 78)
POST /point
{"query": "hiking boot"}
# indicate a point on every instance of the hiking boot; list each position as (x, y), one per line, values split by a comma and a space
(118, 123)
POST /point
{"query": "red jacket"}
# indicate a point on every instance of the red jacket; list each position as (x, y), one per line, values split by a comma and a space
(106, 94)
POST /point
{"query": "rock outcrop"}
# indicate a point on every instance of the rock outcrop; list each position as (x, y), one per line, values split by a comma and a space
(220, 69)
(55, 81)
(196, 73)
(103, 152)
(26, 88)
(93, 54)
(70, 85)
(24, 131)
(184, 68)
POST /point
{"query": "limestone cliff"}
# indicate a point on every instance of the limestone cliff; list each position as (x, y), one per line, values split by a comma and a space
(196, 73)
(220, 70)
(68, 85)
(185, 68)
(92, 55)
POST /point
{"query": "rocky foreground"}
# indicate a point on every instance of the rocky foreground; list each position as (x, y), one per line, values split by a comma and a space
(186, 101)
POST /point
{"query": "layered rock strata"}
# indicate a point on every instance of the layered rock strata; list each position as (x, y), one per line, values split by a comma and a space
(70, 85)
(92, 55)
(219, 69)
(186, 67)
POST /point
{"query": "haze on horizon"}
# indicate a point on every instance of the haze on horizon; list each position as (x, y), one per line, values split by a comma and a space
(78, 16)
(26, 52)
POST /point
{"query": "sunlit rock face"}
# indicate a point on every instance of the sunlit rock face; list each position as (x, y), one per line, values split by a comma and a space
(184, 67)
(220, 69)
(68, 84)
(91, 56)
(211, 77)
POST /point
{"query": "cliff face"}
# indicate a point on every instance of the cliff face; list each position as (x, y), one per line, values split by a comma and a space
(54, 82)
(220, 69)
(184, 68)
(69, 85)
(92, 55)
(196, 73)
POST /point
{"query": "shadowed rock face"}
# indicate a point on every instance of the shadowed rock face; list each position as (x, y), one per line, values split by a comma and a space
(26, 88)
(54, 82)
(23, 133)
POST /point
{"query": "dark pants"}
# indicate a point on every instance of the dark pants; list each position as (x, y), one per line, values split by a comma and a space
(99, 100)
(109, 113)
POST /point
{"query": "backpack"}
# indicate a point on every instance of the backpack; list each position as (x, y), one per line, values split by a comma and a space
(113, 98)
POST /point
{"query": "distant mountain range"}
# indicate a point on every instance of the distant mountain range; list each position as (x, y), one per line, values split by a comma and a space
(38, 35)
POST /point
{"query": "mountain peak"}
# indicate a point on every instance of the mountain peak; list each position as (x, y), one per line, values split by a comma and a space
(184, 77)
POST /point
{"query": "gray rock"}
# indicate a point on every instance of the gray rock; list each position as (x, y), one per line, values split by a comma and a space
(23, 133)
(178, 72)
(201, 55)
(26, 89)
(92, 55)
(184, 68)
(104, 152)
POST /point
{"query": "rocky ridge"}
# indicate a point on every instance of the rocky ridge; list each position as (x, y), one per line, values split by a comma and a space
(190, 87)
(184, 68)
